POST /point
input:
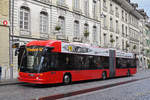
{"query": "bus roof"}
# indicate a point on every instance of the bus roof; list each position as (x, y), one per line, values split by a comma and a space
(42, 43)
(78, 48)
(47, 43)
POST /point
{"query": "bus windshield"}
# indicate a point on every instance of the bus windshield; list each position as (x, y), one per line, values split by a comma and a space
(31, 59)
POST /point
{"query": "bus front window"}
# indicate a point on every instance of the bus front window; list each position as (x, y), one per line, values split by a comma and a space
(31, 59)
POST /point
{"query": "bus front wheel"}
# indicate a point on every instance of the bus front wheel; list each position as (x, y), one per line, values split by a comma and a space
(67, 79)
(104, 75)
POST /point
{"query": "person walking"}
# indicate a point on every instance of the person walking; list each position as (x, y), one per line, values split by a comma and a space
(0, 72)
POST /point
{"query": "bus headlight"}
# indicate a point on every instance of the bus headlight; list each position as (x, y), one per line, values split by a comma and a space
(37, 78)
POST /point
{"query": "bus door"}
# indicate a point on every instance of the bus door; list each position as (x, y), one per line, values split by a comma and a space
(112, 63)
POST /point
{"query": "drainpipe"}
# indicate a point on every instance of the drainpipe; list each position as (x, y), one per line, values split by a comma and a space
(11, 18)
(51, 18)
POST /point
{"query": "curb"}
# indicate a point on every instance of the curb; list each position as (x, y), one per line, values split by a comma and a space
(9, 82)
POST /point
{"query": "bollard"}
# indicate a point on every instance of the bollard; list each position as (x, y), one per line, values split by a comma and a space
(0, 73)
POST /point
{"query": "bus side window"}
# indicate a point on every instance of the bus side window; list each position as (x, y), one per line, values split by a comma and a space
(98, 63)
(118, 62)
(133, 63)
(86, 62)
(61, 61)
(128, 63)
(105, 62)
(90, 62)
(69, 61)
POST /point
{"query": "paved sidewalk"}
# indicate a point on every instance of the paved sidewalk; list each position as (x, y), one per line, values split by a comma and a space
(9, 82)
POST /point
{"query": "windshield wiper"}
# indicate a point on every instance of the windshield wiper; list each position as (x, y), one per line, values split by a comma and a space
(40, 65)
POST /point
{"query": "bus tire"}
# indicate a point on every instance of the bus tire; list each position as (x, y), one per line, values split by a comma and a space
(128, 73)
(104, 75)
(67, 79)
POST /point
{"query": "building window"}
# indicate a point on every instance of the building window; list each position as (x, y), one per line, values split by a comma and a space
(117, 27)
(126, 31)
(61, 22)
(94, 9)
(111, 23)
(61, 2)
(77, 4)
(111, 8)
(116, 9)
(104, 21)
(43, 22)
(122, 44)
(76, 29)
(117, 12)
(86, 7)
(130, 19)
(122, 15)
(24, 18)
(86, 30)
(126, 17)
(123, 29)
(117, 43)
(105, 40)
(86, 27)
(94, 34)
(104, 3)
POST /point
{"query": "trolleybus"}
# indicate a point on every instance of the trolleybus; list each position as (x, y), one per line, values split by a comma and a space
(53, 61)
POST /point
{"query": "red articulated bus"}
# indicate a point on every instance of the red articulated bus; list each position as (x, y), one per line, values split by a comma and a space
(53, 61)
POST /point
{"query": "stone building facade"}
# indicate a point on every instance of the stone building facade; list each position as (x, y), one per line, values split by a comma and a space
(120, 25)
(4, 37)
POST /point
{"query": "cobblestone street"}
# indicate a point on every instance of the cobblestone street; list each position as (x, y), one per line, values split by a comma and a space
(137, 90)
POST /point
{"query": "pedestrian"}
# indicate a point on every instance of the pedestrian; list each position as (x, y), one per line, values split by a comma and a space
(0, 72)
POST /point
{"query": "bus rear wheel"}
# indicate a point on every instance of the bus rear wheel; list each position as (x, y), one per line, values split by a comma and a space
(104, 75)
(66, 79)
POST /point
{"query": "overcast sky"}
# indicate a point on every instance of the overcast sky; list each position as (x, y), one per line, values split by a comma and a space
(145, 4)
